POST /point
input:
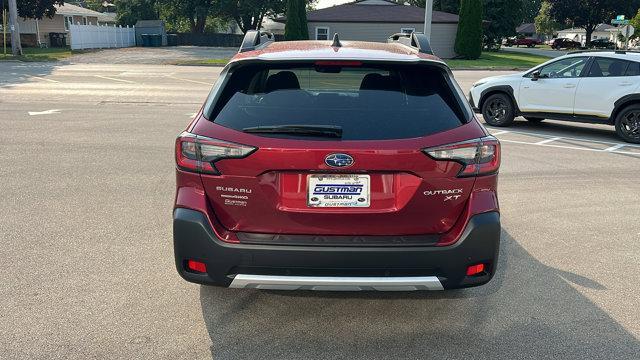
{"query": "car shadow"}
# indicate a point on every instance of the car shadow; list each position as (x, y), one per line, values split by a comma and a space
(529, 310)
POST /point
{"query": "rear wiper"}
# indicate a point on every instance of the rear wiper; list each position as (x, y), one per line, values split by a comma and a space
(303, 130)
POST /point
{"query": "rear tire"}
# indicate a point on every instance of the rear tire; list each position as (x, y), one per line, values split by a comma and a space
(628, 124)
(533, 119)
(498, 110)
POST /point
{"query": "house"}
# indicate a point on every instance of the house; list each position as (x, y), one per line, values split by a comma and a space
(528, 30)
(376, 20)
(36, 32)
(601, 31)
(107, 18)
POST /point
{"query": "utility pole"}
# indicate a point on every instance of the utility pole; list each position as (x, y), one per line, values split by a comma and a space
(16, 47)
(4, 30)
(428, 15)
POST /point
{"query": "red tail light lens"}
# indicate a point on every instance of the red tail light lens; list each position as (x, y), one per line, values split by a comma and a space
(196, 266)
(198, 153)
(479, 156)
(475, 269)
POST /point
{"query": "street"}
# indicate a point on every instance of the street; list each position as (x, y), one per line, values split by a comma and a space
(535, 51)
(87, 182)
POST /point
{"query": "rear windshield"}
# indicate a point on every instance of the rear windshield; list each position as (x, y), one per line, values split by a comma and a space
(368, 102)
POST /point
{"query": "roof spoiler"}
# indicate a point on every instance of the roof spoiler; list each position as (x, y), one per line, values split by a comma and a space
(255, 39)
(414, 40)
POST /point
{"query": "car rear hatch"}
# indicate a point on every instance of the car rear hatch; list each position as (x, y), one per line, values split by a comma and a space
(321, 150)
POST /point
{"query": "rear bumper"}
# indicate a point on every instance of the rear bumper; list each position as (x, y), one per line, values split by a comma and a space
(324, 267)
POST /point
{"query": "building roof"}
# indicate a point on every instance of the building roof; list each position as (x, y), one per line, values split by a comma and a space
(376, 11)
(107, 17)
(322, 50)
(601, 27)
(68, 9)
(528, 28)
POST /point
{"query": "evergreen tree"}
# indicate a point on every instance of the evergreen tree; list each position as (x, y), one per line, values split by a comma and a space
(469, 37)
(296, 26)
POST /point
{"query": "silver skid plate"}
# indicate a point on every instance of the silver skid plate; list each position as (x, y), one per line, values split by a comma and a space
(329, 283)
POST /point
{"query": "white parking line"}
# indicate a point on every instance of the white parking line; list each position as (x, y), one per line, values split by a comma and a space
(114, 79)
(500, 132)
(615, 147)
(547, 141)
(572, 147)
(547, 136)
(192, 81)
(45, 79)
(46, 112)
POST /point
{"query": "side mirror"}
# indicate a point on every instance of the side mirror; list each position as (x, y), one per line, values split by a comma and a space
(535, 76)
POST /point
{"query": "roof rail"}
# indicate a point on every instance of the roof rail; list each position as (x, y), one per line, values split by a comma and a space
(415, 40)
(255, 39)
(618, 51)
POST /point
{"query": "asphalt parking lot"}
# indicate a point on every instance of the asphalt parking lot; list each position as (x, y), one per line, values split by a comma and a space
(87, 184)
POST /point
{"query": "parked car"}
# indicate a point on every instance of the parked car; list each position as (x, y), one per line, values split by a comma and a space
(602, 44)
(563, 43)
(336, 166)
(596, 87)
(528, 42)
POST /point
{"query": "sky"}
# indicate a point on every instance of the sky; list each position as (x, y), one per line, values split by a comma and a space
(326, 3)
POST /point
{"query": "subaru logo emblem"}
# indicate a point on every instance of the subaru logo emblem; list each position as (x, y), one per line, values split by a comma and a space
(338, 160)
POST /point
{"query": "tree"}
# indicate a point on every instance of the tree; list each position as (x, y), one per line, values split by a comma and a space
(635, 22)
(95, 5)
(130, 11)
(503, 17)
(530, 9)
(469, 37)
(545, 24)
(587, 14)
(195, 12)
(35, 9)
(296, 26)
(248, 14)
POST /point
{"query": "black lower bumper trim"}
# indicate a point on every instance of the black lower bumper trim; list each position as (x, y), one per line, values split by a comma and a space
(195, 240)
(334, 240)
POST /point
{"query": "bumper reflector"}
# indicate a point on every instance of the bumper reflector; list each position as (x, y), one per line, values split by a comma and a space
(475, 269)
(196, 266)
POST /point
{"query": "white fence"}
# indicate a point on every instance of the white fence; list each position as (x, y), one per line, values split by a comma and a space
(100, 37)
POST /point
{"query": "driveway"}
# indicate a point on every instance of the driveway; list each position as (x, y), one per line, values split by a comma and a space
(535, 51)
(152, 56)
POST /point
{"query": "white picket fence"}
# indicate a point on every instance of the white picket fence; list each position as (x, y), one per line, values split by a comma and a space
(101, 37)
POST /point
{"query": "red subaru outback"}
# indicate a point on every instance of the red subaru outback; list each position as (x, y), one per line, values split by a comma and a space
(336, 166)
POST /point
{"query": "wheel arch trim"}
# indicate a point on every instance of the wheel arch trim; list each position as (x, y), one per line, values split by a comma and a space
(621, 103)
(505, 89)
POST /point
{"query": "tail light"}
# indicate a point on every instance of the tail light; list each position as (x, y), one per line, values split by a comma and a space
(478, 156)
(199, 154)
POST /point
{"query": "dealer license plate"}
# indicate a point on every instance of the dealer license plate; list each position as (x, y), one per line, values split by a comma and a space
(332, 190)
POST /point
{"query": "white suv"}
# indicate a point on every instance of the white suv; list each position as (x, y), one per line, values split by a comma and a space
(595, 87)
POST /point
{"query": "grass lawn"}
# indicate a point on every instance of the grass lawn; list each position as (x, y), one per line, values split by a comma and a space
(499, 60)
(37, 54)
